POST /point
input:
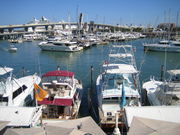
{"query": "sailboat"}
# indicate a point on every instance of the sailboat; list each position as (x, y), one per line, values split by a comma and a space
(118, 85)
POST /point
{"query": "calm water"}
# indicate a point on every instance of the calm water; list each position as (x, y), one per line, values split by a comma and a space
(34, 60)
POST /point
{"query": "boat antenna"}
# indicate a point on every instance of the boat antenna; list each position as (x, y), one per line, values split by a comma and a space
(92, 77)
(165, 55)
(162, 73)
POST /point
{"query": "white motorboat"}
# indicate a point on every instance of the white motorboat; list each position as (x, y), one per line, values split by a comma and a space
(164, 42)
(63, 45)
(16, 91)
(12, 48)
(118, 85)
(161, 47)
(164, 92)
(64, 95)
(176, 42)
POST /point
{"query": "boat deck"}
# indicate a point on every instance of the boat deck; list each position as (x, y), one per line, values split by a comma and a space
(58, 90)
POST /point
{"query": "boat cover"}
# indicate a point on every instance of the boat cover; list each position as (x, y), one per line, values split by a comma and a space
(59, 73)
(174, 72)
(120, 69)
(163, 113)
(59, 102)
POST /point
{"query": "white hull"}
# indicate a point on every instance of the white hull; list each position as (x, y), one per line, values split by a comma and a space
(161, 48)
(162, 93)
(176, 43)
(12, 49)
(51, 47)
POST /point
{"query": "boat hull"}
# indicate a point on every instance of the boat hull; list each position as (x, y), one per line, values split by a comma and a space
(59, 48)
(162, 48)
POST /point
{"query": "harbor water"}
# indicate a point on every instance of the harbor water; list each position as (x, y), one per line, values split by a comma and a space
(30, 59)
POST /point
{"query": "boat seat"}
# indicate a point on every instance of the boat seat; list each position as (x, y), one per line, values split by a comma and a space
(54, 81)
(61, 93)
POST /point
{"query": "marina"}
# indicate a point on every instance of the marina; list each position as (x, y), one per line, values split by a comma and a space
(30, 57)
(90, 68)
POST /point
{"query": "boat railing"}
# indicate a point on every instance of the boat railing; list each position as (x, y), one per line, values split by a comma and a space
(2, 87)
(155, 78)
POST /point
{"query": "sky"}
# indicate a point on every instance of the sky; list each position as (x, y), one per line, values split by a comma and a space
(135, 12)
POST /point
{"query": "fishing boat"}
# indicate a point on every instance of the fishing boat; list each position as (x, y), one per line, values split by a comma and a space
(63, 97)
(117, 86)
(165, 92)
(16, 91)
(63, 45)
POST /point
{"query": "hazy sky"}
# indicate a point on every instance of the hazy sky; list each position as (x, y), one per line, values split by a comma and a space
(101, 11)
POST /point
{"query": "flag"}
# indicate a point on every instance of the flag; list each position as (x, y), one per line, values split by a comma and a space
(40, 94)
(123, 97)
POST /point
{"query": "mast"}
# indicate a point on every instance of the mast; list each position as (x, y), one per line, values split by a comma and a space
(177, 17)
(69, 27)
(165, 53)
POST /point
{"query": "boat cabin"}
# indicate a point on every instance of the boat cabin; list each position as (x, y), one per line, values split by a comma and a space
(174, 75)
(60, 101)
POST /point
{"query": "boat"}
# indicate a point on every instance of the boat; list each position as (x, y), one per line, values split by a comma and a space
(176, 42)
(165, 92)
(16, 91)
(164, 42)
(162, 47)
(63, 45)
(63, 97)
(118, 85)
(19, 40)
(12, 48)
(20, 117)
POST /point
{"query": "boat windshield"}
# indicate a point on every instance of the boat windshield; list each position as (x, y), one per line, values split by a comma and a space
(175, 78)
(3, 101)
(59, 79)
(3, 79)
(174, 75)
(112, 81)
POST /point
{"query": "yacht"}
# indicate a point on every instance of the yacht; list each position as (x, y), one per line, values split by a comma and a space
(16, 91)
(176, 42)
(63, 45)
(63, 97)
(162, 47)
(164, 42)
(118, 85)
(165, 92)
